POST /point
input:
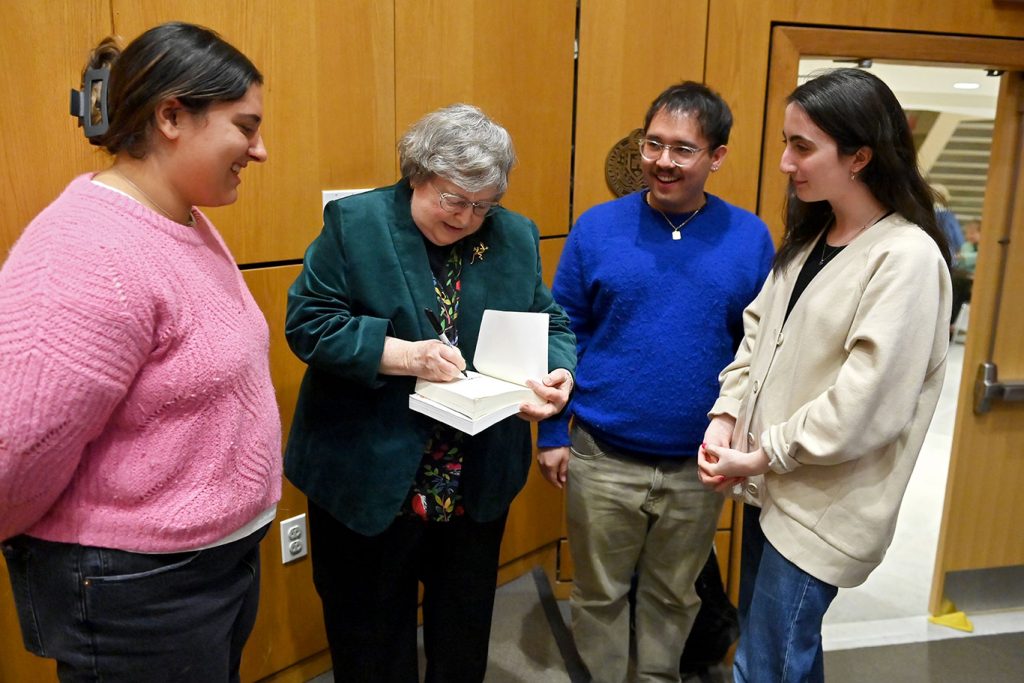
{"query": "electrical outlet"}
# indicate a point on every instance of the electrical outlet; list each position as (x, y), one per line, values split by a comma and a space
(331, 195)
(294, 539)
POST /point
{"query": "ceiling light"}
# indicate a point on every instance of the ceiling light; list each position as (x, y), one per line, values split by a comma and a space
(964, 85)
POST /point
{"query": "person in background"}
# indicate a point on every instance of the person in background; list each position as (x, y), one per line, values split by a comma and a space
(969, 249)
(948, 222)
(655, 284)
(832, 390)
(395, 497)
(140, 437)
(963, 273)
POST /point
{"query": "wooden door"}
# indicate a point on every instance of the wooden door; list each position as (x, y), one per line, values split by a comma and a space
(980, 521)
(986, 468)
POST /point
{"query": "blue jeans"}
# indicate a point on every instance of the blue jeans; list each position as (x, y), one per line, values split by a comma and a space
(111, 615)
(781, 608)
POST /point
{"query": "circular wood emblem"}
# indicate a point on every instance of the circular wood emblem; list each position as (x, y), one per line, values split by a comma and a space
(622, 167)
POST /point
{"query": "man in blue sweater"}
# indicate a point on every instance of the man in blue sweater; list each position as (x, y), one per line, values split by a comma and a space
(655, 284)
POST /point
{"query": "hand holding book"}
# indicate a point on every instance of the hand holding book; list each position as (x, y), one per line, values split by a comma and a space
(511, 357)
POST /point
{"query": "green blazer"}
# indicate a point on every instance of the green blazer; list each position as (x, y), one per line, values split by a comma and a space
(355, 446)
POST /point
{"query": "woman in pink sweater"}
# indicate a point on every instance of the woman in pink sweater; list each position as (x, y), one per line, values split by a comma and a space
(139, 433)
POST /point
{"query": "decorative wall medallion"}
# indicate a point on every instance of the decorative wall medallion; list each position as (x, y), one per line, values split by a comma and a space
(622, 167)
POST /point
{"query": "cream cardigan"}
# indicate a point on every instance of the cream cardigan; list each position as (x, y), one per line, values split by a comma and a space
(841, 395)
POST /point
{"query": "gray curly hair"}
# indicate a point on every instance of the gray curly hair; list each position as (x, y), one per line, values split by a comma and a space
(459, 143)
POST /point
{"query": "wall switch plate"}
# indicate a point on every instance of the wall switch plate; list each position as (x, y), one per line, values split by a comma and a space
(331, 195)
(294, 539)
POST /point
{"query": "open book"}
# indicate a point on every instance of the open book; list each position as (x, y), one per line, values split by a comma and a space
(512, 347)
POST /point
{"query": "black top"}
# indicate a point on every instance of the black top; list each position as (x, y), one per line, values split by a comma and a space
(819, 257)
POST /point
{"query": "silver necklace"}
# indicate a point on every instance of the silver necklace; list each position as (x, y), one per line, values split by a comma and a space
(827, 256)
(676, 229)
(191, 222)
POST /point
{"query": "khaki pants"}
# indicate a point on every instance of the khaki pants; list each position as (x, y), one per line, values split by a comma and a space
(627, 515)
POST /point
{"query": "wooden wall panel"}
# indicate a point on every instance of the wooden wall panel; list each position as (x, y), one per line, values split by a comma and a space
(278, 209)
(289, 626)
(628, 53)
(43, 49)
(42, 150)
(328, 101)
(355, 95)
(514, 60)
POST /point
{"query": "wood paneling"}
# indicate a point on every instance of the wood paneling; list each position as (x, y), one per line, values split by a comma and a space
(550, 252)
(355, 94)
(289, 626)
(628, 53)
(328, 108)
(533, 520)
(514, 60)
(43, 48)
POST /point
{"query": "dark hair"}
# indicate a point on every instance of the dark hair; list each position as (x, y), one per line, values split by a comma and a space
(856, 109)
(172, 60)
(712, 112)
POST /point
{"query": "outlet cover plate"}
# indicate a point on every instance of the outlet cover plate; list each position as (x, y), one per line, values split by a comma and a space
(294, 539)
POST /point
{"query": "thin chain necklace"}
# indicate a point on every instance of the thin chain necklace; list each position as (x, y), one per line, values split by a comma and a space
(676, 234)
(191, 222)
(827, 256)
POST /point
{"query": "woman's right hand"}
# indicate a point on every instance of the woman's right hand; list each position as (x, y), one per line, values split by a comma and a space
(431, 359)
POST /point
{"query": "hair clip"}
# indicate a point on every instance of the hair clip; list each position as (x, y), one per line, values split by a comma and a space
(81, 102)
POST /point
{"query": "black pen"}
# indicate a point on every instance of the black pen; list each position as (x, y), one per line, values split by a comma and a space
(436, 324)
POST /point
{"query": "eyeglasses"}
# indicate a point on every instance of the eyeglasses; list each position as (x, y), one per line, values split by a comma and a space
(679, 155)
(453, 203)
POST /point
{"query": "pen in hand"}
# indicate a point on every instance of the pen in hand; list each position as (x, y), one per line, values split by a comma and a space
(436, 324)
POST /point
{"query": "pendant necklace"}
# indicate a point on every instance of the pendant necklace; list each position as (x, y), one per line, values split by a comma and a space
(826, 256)
(191, 222)
(676, 229)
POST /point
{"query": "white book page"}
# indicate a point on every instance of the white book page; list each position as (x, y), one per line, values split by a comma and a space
(512, 346)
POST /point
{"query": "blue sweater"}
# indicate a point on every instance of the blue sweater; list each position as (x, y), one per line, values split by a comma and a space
(655, 320)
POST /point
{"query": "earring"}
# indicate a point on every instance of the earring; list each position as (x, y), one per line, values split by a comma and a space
(853, 176)
(714, 168)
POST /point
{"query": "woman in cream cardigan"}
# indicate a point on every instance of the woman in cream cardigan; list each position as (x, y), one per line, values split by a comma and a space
(823, 411)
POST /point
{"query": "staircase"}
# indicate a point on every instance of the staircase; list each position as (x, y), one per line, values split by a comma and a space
(962, 166)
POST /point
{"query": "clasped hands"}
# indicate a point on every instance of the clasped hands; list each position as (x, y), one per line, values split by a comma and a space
(721, 467)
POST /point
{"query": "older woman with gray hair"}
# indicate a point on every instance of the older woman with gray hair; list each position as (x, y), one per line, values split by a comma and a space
(396, 498)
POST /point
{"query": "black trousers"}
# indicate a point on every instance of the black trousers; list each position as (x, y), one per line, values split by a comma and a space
(368, 586)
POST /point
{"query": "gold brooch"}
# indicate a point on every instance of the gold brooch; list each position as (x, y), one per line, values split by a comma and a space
(478, 252)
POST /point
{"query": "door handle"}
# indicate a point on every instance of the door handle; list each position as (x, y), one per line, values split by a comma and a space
(988, 388)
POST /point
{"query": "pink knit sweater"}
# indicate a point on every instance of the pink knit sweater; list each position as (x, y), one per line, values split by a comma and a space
(136, 408)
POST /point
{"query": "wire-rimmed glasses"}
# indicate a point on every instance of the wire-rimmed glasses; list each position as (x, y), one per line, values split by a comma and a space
(453, 203)
(679, 155)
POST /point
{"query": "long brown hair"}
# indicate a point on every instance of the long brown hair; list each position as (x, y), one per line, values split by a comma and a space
(856, 109)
